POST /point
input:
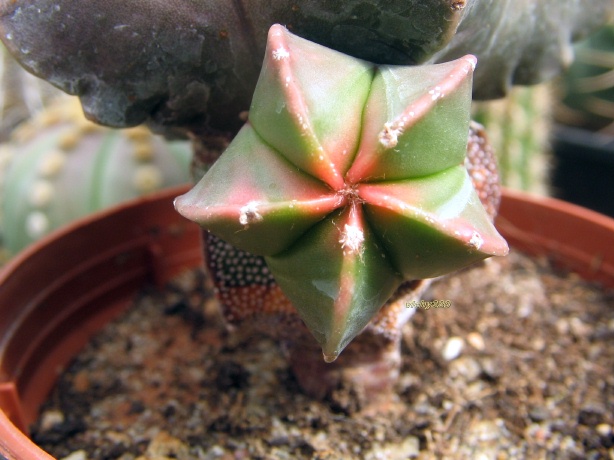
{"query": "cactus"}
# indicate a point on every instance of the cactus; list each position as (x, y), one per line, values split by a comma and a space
(349, 183)
(519, 129)
(59, 167)
(21, 94)
(194, 64)
(587, 87)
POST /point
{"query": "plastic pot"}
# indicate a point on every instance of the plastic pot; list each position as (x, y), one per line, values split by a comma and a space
(61, 290)
(55, 295)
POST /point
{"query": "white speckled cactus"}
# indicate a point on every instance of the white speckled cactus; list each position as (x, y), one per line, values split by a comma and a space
(59, 167)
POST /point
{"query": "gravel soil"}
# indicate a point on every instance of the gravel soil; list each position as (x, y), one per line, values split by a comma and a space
(518, 364)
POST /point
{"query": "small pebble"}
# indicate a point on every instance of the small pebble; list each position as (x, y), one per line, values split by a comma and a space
(81, 382)
(562, 326)
(604, 430)
(447, 405)
(486, 431)
(164, 446)
(76, 455)
(538, 413)
(578, 327)
(491, 367)
(215, 452)
(538, 344)
(50, 419)
(453, 348)
(568, 444)
(408, 448)
(476, 340)
(539, 433)
(466, 367)
(590, 415)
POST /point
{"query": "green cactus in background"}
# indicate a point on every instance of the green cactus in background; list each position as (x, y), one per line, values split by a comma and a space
(21, 94)
(588, 86)
(519, 128)
(194, 64)
(59, 166)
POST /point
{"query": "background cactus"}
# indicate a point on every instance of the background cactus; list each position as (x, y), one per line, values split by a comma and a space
(22, 94)
(584, 133)
(519, 127)
(194, 65)
(587, 88)
(59, 166)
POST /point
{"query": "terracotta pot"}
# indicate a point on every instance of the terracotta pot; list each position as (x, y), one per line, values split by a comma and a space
(55, 295)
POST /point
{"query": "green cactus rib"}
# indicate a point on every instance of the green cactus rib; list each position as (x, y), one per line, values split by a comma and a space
(348, 178)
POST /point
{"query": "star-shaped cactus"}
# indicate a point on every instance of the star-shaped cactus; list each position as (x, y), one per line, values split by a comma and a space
(349, 179)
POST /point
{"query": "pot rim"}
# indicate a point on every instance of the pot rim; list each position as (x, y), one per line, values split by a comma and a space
(571, 236)
(78, 278)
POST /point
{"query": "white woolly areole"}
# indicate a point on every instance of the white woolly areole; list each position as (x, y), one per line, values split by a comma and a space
(476, 240)
(249, 214)
(280, 53)
(352, 238)
(389, 136)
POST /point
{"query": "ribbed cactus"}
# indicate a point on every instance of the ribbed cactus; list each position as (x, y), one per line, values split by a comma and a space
(588, 86)
(59, 167)
(348, 183)
(519, 128)
(21, 94)
(194, 64)
(391, 181)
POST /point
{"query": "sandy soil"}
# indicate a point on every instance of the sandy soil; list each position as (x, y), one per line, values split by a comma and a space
(518, 365)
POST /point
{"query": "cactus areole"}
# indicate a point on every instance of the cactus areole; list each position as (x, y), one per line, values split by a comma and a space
(349, 179)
